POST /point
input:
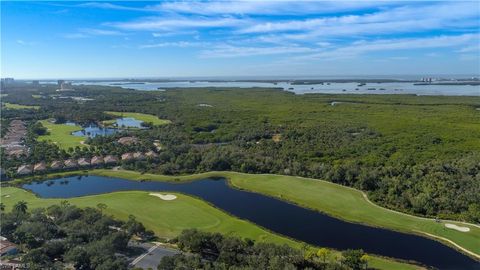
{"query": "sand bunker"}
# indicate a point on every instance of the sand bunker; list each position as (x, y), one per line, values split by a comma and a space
(458, 228)
(165, 197)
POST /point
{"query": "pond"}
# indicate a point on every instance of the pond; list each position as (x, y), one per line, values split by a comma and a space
(128, 122)
(93, 130)
(278, 216)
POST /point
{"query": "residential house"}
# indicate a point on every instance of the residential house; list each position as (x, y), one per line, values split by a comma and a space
(25, 169)
(138, 156)
(12, 264)
(7, 247)
(127, 156)
(110, 159)
(70, 163)
(84, 161)
(128, 140)
(97, 160)
(56, 165)
(151, 154)
(40, 167)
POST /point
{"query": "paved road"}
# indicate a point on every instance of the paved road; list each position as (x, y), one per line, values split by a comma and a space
(152, 256)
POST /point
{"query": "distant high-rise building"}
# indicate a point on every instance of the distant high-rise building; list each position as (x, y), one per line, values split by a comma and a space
(7, 81)
(64, 86)
(35, 83)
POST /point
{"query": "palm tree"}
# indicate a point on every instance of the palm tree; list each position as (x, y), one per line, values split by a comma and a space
(21, 207)
(101, 207)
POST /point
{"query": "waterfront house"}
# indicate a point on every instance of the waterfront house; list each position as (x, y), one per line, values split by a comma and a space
(56, 165)
(70, 163)
(40, 167)
(97, 160)
(84, 161)
(110, 159)
(25, 169)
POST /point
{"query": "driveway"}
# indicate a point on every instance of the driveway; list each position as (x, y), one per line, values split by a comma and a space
(152, 255)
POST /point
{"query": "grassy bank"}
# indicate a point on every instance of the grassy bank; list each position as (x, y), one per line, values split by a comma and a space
(168, 218)
(61, 135)
(147, 118)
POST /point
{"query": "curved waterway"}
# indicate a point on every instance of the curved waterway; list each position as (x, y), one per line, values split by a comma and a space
(276, 215)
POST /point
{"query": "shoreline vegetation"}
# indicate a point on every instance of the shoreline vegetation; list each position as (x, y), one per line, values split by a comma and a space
(332, 199)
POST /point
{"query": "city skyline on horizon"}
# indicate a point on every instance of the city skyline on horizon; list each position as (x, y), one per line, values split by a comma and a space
(175, 39)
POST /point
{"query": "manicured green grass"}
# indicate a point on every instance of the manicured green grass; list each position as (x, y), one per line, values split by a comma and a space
(147, 118)
(168, 218)
(13, 106)
(335, 200)
(60, 134)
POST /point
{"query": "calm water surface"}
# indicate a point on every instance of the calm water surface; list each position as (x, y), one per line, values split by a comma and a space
(276, 215)
(330, 88)
(128, 122)
(93, 131)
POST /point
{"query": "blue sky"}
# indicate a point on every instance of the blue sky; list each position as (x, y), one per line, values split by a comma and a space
(238, 38)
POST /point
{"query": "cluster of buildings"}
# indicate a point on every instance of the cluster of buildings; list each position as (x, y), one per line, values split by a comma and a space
(64, 86)
(13, 141)
(96, 161)
(6, 81)
(427, 80)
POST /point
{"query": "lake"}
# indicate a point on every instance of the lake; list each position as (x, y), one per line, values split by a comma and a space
(328, 88)
(94, 130)
(278, 216)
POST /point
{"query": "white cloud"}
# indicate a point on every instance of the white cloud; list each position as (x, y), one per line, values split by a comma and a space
(170, 23)
(175, 33)
(100, 32)
(25, 43)
(256, 7)
(472, 48)
(396, 20)
(362, 46)
(103, 5)
(89, 32)
(178, 44)
(227, 51)
(75, 35)
(469, 57)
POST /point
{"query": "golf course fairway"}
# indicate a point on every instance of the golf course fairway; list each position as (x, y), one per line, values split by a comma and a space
(339, 201)
(168, 218)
